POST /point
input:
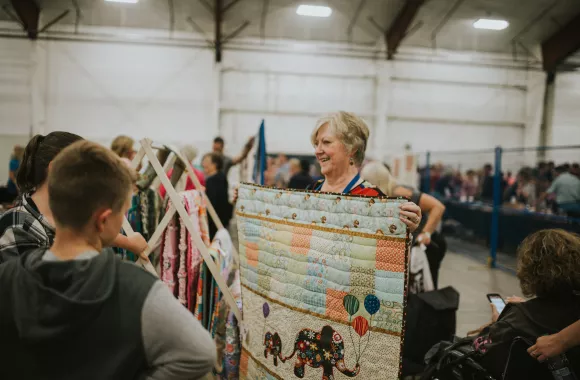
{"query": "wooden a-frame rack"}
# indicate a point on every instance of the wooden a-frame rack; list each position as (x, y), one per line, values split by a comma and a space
(176, 206)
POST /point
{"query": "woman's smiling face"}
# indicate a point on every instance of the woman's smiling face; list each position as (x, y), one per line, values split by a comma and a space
(330, 152)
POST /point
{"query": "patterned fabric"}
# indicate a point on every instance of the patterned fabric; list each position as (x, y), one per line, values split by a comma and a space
(143, 215)
(168, 257)
(323, 284)
(23, 228)
(188, 278)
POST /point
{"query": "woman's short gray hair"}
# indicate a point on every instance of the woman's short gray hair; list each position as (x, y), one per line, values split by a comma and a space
(351, 130)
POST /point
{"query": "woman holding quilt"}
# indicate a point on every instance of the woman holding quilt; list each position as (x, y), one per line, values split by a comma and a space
(340, 141)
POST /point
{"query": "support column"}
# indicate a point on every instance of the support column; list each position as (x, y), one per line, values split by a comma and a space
(536, 91)
(38, 86)
(381, 149)
(548, 116)
(217, 98)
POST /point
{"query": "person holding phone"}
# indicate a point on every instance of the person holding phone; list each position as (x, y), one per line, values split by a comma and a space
(548, 267)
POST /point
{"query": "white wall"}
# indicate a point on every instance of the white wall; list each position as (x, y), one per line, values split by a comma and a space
(15, 109)
(565, 126)
(566, 119)
(291, 92)
(175, 94)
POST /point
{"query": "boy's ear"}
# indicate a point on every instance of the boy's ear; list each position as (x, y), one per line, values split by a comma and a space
(49, 166)
(102, 216)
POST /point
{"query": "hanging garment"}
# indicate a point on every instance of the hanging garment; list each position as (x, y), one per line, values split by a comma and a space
(324, 284)
(143, 215)
(188, 277)
(227, 336)
(182, 267)
(169, 253)
(225, 327)
(196, 210)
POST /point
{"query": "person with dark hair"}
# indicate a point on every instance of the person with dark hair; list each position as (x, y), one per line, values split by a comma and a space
(486, 191)
(75, 300)
(30, 224)
(548, 267)
(217, 188)
(228, 162)
(10, 192)
(300, 174)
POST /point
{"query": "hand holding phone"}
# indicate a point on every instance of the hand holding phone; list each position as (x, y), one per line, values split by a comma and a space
(497, 301)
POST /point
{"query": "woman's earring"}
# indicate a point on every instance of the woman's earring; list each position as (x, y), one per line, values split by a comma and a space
(351, 161)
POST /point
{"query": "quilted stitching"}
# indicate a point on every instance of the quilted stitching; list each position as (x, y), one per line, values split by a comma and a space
(302, 255)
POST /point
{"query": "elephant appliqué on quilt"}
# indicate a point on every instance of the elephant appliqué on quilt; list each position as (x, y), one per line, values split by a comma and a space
(316, 349)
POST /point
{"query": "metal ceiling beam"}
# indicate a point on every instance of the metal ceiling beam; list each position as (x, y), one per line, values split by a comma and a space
(11, 15)
(218, 29)
(444, 22)
(398, 29)
(265, 7)
(77, 15)
(352, 23)
(28, 13)
(230, 5)
(535, 20)
(171, 16)
(561, 45)
(200, 30)
(207, 6)
(237, 31)
(54, 21)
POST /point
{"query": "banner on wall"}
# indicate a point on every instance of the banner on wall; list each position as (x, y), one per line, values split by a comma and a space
(260, 158)
(404, 169)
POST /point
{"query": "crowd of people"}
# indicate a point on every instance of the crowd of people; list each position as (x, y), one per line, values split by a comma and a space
(545, 188)
(73, 292)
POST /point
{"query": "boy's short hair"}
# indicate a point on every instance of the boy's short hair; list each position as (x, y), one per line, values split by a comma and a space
(83, 178)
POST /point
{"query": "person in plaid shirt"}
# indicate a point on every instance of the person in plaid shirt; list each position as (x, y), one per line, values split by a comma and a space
(29, 225)
(23, 228)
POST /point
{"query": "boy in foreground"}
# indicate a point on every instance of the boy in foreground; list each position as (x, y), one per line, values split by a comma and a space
(77, 312)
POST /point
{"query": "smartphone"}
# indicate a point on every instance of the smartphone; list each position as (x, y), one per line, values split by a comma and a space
(497, 300)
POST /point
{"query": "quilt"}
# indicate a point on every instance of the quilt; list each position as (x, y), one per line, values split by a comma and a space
(324, 283)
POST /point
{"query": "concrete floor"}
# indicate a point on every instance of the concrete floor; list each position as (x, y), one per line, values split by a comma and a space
(473, 281)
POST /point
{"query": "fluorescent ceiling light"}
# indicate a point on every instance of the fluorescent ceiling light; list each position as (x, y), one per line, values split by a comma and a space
(313, 11)
(123, 1)
(485, 23)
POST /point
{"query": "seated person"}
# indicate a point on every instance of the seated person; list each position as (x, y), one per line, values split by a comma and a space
(548, 267)
(75, 311)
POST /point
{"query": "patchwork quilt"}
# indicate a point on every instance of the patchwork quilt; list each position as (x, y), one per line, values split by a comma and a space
(324, 281)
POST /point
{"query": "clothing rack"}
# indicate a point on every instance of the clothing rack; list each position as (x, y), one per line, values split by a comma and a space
(211, 210)
(147, 150)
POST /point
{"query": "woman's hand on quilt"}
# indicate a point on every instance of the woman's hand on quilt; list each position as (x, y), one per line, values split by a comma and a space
(410, 214)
